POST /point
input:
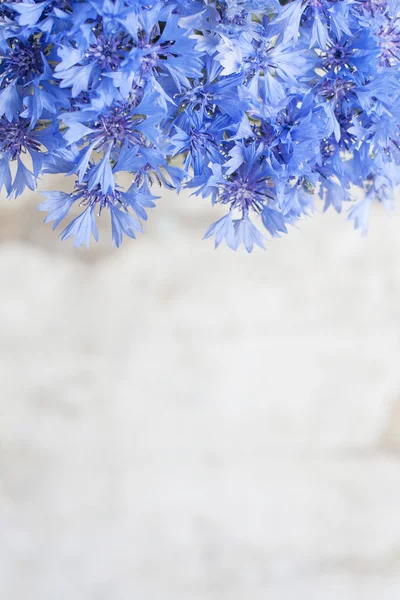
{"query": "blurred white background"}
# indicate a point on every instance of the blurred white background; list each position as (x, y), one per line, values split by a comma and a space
(189, 424)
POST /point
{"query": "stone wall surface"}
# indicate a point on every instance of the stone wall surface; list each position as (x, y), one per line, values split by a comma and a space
(189, 424)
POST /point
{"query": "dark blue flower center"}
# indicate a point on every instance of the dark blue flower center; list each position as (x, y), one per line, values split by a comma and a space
(96, 198)
(5, 11)
(23, 61)
(106, 52)
(15, 138)
(119, 125)
(231, 13)
(242, 195)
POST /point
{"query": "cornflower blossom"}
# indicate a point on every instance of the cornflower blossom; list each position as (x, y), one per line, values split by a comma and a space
(259, 105)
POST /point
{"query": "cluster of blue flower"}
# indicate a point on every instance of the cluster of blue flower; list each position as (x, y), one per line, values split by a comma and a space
(264, 103)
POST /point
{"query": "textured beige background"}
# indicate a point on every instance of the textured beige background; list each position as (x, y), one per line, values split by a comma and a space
(178, 423)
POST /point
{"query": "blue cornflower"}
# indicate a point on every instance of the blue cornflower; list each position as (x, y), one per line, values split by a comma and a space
(18, 140)
(114, 131)
(88, 66)
(199, 139)
(94, 201)
(154, 51)
(264, 104)
(246, 189)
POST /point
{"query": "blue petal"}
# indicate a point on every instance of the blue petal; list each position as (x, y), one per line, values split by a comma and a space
(82, 228)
